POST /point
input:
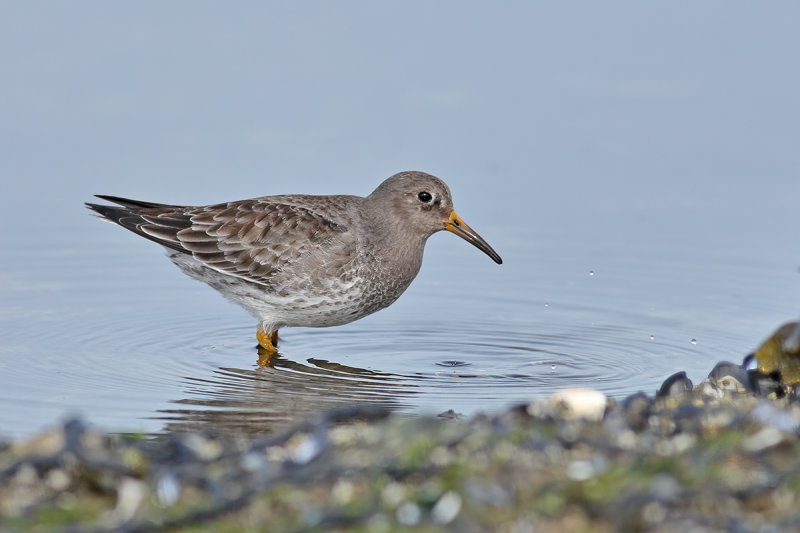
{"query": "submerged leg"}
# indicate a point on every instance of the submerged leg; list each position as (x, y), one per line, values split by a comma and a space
(267, 339)
(266, 345)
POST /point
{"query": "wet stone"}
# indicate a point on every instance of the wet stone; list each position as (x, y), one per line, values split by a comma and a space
(731, 378)
(674, 386)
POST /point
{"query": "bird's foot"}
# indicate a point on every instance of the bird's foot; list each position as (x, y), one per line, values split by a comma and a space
(267, 342)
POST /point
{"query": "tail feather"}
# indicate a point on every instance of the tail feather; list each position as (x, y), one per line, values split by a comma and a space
(109, 212)
(127, 202)
(131, 218)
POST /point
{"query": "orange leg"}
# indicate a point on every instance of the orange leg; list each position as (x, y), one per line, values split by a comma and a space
(266, 346)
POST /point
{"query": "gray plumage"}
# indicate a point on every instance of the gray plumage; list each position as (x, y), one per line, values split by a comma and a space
(301, 260)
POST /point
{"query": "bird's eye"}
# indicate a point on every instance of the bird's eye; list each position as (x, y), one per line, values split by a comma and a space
(424, 196)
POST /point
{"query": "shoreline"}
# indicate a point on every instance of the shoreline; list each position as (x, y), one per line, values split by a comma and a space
(720, 456)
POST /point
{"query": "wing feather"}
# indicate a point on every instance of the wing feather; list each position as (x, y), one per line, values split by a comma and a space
(250, 239)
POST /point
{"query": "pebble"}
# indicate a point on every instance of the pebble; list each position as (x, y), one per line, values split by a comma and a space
(447, 508)
(409, 514)
(578, 403)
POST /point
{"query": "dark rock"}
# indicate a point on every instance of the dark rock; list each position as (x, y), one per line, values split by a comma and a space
(637, 410)
(674, 386)
(730, 377)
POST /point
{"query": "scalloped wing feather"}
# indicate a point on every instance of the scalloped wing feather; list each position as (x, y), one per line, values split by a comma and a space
(250, 239)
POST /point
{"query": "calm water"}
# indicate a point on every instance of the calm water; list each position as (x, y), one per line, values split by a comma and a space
(642, 190)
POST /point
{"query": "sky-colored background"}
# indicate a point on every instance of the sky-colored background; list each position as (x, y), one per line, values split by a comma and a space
(198, 101)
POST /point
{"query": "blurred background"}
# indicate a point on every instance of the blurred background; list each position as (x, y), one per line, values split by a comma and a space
(635, 164)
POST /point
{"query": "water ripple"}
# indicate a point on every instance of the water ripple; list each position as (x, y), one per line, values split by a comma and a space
(168, 356)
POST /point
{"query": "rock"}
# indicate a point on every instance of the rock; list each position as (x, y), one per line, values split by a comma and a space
(578, 403)
(781, 353)
(730, 377)
(674, 386)
(447, 507)
(637, 410)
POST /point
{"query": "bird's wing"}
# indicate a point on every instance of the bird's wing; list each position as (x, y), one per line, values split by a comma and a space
(249, 239)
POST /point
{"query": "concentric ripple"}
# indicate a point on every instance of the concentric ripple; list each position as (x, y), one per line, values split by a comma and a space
(146, 349)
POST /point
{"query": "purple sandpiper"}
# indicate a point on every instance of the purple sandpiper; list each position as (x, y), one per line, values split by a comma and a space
(301, 260)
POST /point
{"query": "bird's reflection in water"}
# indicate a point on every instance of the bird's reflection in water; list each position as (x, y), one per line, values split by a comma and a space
(265, 398)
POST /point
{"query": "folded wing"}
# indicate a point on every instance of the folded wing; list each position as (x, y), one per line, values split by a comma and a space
(251, 239)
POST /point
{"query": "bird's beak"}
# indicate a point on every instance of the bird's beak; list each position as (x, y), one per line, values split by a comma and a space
(459, 227)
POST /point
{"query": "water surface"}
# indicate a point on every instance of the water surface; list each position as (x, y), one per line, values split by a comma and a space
(635, 166)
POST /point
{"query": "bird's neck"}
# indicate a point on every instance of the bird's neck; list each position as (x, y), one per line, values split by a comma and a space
(390, 243)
